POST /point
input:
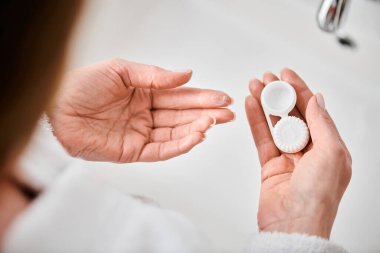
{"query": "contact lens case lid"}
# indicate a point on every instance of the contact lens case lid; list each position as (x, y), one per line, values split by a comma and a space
(278, 98)
(290, 134)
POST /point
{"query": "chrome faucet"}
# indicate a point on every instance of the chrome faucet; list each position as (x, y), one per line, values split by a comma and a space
(331, 13)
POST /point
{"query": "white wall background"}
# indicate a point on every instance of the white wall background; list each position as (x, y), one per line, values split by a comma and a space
(226, 43)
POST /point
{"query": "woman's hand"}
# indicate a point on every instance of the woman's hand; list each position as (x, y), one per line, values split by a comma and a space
(122, 111)
(300, 193)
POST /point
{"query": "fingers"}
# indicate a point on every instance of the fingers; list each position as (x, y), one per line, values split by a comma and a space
(322, 128)
(260, 130)
(326, 138)
(303, 92)
(167, 133)
(186, 98)
(172, 118)
(148, 76)
(255, 88)
(160, 151)
(269, 77)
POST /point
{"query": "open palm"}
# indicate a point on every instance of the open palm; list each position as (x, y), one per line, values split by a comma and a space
(125, 112)
(300, 192)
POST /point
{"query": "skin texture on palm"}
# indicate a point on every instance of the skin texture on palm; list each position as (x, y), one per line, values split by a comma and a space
(299, 192)
(122, 111)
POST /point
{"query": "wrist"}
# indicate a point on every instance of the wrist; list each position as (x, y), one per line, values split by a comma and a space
(318, 223)
(301, 226)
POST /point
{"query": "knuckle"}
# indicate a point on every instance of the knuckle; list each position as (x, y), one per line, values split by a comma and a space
(115, 62)
(154, 70)
(337, 150)
(349, 157)
(348, 173)
(326, 118)
(348, 166)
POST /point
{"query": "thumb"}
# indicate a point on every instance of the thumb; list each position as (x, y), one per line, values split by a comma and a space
(149, 77)
(322, 128)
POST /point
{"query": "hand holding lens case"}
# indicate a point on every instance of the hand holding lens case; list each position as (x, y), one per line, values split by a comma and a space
(290, 134)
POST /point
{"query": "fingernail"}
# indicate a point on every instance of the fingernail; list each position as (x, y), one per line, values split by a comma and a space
(233, 117)
(232, 101)
(183, 70)
(320, 100)
(267, 72)
(223, 100)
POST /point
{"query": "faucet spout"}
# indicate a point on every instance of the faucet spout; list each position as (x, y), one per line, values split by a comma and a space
(331, 14)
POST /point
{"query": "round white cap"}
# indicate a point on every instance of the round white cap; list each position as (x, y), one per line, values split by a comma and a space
(291, 134)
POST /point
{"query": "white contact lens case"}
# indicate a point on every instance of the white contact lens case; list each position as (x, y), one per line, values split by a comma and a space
(290, 134)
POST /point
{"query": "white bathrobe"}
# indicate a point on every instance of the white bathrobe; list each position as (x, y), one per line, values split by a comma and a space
(82, 213)
(79, 212)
